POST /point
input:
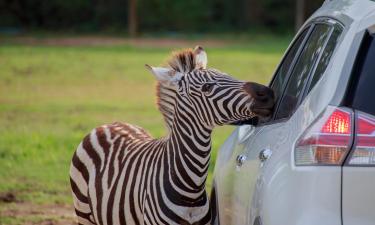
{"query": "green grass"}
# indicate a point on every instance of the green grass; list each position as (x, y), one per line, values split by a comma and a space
(50, 97)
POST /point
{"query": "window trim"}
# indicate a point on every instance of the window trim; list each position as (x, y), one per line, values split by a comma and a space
(310, 25)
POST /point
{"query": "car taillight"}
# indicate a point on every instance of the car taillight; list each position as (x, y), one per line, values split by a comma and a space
(364, 150)
(327, 141)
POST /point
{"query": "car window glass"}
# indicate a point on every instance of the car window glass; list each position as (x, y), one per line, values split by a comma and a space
(299, 76)
(281, 75)
(364, 77)
(325, 58)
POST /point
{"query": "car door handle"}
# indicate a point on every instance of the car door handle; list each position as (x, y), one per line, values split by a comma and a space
(265, 154)
(240, 160)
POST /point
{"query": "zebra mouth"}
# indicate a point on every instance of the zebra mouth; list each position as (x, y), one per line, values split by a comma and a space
(251, 121)
(262, 112)
(263, 108)
(257, 115)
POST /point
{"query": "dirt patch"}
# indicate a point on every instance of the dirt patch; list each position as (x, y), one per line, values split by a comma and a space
(8, 197)
(32, 214)
(114, 41)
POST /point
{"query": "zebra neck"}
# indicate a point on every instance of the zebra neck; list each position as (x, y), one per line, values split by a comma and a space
(190, 144)
(166, 101)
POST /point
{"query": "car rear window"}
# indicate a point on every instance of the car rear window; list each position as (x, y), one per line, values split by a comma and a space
(362, 90)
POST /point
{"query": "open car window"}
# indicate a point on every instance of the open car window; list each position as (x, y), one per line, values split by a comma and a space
(281, 76)
(304, 66)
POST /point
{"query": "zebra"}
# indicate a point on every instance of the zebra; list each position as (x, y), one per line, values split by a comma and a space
(119, 174)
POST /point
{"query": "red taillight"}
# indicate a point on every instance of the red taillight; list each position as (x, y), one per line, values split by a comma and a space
(364, 150)
(327, 141)
(337, 123)
(366, 125)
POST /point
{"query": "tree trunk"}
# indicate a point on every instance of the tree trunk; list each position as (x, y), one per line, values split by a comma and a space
(300, 13)
(132, 18)
(253, 12)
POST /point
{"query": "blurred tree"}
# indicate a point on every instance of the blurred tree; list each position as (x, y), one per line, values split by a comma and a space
(45, 14)
(304, 9)
(172, 15)
(155, 15)
(253, 11)
(300, 13)
(110, 14)
(133, 20)
(277, 14)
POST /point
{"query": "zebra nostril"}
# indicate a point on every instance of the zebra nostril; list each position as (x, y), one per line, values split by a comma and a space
(258, 91)
(261, 93)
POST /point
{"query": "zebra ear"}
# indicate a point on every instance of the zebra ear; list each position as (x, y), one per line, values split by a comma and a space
(200, 58)
(165, 75)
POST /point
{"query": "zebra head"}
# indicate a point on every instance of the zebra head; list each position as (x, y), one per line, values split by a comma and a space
(213, 96)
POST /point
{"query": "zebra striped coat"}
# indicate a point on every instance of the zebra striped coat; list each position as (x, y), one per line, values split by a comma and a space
(121, 175)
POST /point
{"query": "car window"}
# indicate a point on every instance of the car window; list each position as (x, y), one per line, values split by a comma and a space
(281, 75)
(299, 77)
(360, 95)
(325, 57)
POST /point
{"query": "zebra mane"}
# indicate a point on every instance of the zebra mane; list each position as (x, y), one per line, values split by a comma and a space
(183, 61)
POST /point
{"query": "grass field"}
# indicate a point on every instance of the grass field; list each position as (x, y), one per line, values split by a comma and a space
(51, 96)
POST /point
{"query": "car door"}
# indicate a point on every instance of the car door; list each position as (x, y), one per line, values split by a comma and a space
(271, 145)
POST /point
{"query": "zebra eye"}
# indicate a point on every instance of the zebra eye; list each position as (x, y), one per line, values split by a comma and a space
(207, 87)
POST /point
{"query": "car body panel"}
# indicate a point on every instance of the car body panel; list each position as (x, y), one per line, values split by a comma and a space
(358, 195)
(231, 196)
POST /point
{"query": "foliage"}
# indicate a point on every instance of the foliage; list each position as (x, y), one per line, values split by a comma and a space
(153, 15)
(45, 14)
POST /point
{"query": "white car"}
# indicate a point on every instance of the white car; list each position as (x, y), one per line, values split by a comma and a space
(313, 162)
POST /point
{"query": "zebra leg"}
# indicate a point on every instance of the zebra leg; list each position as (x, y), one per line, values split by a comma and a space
(83, 212)
(81, 205)
(78, 183)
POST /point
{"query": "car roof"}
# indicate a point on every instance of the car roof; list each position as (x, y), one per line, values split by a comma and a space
(345, 11)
